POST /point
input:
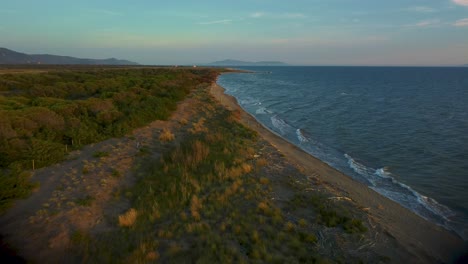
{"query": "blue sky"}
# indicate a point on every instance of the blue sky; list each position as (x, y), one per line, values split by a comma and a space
(303, 32)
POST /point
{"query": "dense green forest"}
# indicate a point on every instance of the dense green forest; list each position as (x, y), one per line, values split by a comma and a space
(42, 116)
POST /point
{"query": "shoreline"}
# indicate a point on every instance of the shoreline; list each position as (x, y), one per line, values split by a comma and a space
(424, 239)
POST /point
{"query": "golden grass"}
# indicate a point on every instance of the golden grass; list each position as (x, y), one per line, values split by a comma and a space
(246, 168)
(262, 162)
(264, 180)
(166, 135)
(195, 206)
(289, 226)
(235, 116)
(214, 137)
(128, 218)
(152, 256)
(199, 152)
(262, 206)
(183, 121)
(199, 126)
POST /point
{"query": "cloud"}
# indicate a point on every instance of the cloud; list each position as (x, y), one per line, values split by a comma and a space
(461, 22)
(257, 15)
(426, 23)
(421, 9)
(224, 21)
(292, 15)
(330, 41)
(461, 2)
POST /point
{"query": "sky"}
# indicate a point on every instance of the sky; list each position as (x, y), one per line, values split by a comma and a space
(298, 32)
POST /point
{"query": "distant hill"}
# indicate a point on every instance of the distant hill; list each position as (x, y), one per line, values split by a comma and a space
(12, 57)
(246, 63)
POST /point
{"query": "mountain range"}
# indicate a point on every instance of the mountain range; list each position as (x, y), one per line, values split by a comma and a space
(230, 62)
(12, 57)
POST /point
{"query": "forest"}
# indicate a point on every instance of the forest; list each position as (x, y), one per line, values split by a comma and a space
(44, 116)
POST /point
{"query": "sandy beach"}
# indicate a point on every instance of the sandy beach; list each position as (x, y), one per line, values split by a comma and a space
(426, 241)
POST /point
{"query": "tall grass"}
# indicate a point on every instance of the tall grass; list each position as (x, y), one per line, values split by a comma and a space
(203, 202)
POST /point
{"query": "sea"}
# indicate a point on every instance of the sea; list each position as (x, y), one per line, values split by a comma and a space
(402, 131)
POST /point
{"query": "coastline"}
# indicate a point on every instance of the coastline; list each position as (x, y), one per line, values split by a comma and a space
(420, 237)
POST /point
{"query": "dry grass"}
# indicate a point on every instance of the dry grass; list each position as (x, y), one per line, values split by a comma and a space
(262, 206)
(264, 180)
(199, 126)
(200, 152)
(235, 116)
(246, 168)
(183, 121)
(152, 256)
(166, 135)
(195, 206)
(262, 162)
(289, 227)
(128, 218)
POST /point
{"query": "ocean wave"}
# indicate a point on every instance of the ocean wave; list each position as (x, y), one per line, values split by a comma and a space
(301, 136)
(360, 169)
(262, 111)
(398, 191)
(384, 173)
(249, 101)
(280, 124)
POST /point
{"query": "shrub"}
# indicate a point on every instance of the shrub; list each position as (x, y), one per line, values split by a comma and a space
(128, 218)
(100, 154)
(86, 201)
(166, 135)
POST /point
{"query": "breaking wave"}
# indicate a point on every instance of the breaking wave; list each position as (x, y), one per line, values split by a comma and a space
(383, 182)
(301, 136)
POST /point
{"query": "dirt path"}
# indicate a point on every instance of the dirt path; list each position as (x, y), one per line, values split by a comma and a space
(426, 242)
(81, 194)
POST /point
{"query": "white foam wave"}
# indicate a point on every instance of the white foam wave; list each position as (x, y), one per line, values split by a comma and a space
(359, 168)
(280, 124)
(301, 136)
(384, 173)
(380, 184)
(433, 206)
(249, 101)
(262, 111)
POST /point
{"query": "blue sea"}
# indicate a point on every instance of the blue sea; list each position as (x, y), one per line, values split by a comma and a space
(402, 131)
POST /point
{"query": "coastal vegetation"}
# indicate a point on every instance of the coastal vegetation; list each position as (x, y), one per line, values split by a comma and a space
(209, 199)
(206, 189)
(44, 116)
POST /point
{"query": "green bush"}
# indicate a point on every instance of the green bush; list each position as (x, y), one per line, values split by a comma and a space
(44, 115)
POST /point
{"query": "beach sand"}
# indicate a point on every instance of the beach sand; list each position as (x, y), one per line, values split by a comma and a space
(425, 241)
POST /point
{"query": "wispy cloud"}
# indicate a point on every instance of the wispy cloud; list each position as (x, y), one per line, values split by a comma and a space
(223, 21)
(426, 23)
(278, 15)
(461, 22)
(257, 14)
(461, 2)
(292, 15)
(330, 41)
(421, 9)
